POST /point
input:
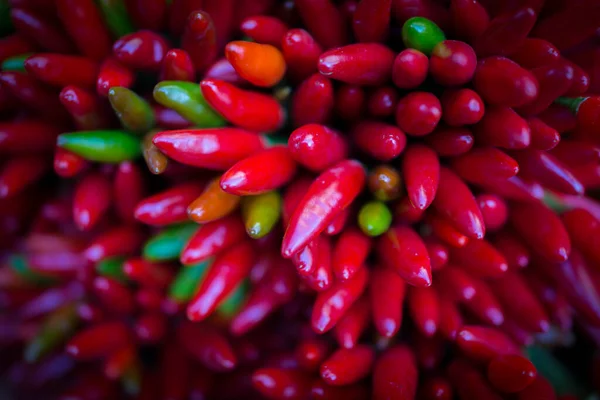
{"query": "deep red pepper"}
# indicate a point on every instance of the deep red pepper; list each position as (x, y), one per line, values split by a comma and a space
(410, 69)
(350, 252)
(301, 53)
(312, 102)
(452, 63)
(418, 113)
(438, 253)
(93, 196)
(141, 50)
(324, 21)
(534, 53)
(470, 18)
(113, 73)
(455, 284)
(429, 351)
(320, 277)
(292, 197)
(84, 24)
(177, 65)
(129, 184)
(387, 300)
(462, 107)
(246, 109)
(223, 276)
(483, 343)
(371, 20)
(515, 253)
(347, 366)
(502, 82)
(540, 388)
(310, 353)
(575, 152)
(542, 167)
(480, 258)
(199, 39)
(581, 81)
(469, 382)
(553, 81)
(382, 102)
(147, 14)
(178, 13)
(279, 383)
(450, 319)
(444, 230)
(85, 109)
(395, 375)
(484, 163)
(98, 340)
(379, 140)
(584, 232)
(118, 241)
(558, 117)
(331, 192)
(484, 305)
(264, 29)
(503, 127)
(331, 304)
(43, 30)
(448, 142)
(211, 148)
(14, 45)
(150, 328)
(351, 326)
(367, 64)
(114, 296)
(339, 222)
(435, 388)
(169, 206)
(317, 147)
(494, 210)
(505, 32)
(207, 345)
(543, 136)
(350, 102)
(421, 173)
(402, 249)
(147, 273)
(18, 173)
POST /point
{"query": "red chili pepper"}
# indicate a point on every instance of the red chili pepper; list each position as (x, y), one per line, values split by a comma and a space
(350, 252)
(502, 82)
(443, 229)
(339, 223)
(312, 102)
(212, 148)
(483, 343)
(310, 353)
(511, 373)
(292, 197)
(260, 173)
(581, 80)
(484, 163)
(274, 290)
(352, 325)
(301, 53)
(177, 66)
(418, 113)
(528, 312)
(150, 328)
(207, 345)
(379, 140)
(387, 290)
(212, 238)
(503, 127)
(98, 340)
(423, 305)
(505, 33)
(367, 64)
(470, 19)
(222, 14)
(279, 383)
(450, 319)
(429, 351)
(178, 13)
(18, 173)
(112, 73)
(452, 63)
(147, 14)
(84, 24)
(535, 53)
(349, 102)
(403, 250)
(149, 299)
(141, 50)
(515, 253)
(421, 173)
(553, 81)
(169, 206)
(462, 107)
(542, 167)
(42, 30)
(410, 69)
(469, 382)
(15, 45)
(223, 276)
(438, 253)
(114, 296)
(543, 136)
(575, 152)
(494, 211)
(332, 191)
(247, 109)
(119, 241)
(371, 20)
(331, 304)
(319, 275)
(174, 370)
(435, 388)
(34, 95)
(324, 21)
(85, 109)
(382, 102)
(484, 305)
(540, 388)
(147, 273)
(129, 184)
(559, 117)
(584, 232)
(347, 366)
(395, 374)
(93, 196)
(455, 284)
(264, 29)
(449, 142)
(199, 39)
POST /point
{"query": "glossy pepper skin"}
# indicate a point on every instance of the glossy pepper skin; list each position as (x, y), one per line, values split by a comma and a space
(211, 148)
(301, 53)
(261, 213)
(379, 140)
(113, 73)
(317, 147)
(313, 101)
(503, 82)
(387, 299)
(109, 146)
(142, 50)
(368, 64)
(246, 109)
(260, 64)
(199, 39)
(92, 198)
(395, 375)
(177, 66)
(168, 207)
(421, 173)
(86, 110)
(264, 29)
(135, 113)
(212, 204)
(331, 192)
(260, 173)
(347, 366)
(324, 21)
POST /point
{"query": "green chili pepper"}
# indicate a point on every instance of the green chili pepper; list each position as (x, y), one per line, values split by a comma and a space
(261, 213)
(112, 268)
(421, 34)
(234, 301)
(374, 218)
(167, 245)
(134, 112)
(15, 63)
(56, 329)
(186, 282)
(572, 103)
(557, 374)
(186, 98)
(19, 264)
(109, 146)
(116, 17)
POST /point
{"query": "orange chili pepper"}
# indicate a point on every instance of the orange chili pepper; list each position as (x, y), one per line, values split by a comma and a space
(260, 64)
(212, 204)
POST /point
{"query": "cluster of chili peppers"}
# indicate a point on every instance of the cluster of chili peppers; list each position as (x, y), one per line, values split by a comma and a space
(307, 199)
